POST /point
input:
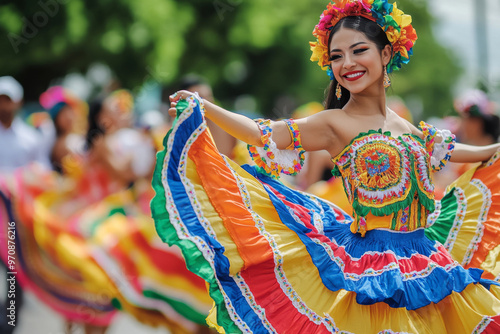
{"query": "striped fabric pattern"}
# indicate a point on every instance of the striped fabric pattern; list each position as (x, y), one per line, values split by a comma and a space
(278, 260)
(90, 252)
(467, 219)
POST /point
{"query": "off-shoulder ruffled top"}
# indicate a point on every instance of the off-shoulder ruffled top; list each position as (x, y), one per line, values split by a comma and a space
(387, 179)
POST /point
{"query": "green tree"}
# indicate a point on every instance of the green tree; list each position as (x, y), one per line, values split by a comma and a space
(49, 38)
(242, 47)
(433, 69)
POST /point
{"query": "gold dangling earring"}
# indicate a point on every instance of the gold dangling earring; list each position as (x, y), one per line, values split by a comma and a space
(387, 80)
(338, 91)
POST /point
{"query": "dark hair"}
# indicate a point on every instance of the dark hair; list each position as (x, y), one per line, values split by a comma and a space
(373, 32)
(95, 129)
(54, 113)
(491, 126)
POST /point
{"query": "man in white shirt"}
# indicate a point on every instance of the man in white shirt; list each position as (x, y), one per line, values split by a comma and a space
(20, 144)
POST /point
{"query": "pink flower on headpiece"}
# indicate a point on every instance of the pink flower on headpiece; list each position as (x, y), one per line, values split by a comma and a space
(358, 8)
(325, 21)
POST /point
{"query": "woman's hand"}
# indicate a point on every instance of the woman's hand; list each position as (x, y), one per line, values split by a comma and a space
(174, 98)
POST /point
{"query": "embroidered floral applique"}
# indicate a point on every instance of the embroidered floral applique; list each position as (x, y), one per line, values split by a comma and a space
(387, 176)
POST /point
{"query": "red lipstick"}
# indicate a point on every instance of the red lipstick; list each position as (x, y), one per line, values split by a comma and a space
(353, 76)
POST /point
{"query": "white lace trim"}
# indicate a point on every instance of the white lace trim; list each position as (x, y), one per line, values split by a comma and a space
(285, 158)
(442, 151)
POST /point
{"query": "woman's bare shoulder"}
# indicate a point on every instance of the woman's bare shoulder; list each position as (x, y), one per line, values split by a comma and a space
(332, 116)
(406, 125)
(321, 130)
(334, 111)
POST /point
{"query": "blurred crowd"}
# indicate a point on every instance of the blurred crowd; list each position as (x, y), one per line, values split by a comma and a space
(75, 182)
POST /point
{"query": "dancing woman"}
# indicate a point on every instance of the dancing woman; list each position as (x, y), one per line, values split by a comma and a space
(282, 261)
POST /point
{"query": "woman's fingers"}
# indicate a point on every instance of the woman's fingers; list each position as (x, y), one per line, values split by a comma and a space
(172, 112)
(180, 95)
(174, 98)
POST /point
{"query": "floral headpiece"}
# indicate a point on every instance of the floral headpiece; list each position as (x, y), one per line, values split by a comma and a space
(395, 23)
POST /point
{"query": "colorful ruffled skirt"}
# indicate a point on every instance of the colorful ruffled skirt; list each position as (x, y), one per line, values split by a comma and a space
(40, 266)
(467, 219)
(87, 248)
(282, 261)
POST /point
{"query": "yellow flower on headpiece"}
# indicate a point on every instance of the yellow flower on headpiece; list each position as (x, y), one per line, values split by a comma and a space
(392, 34)
(317, 51)
(320, 53)
(401, 18)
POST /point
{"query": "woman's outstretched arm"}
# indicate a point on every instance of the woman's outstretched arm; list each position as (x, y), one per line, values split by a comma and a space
(247, 130)
(469, 153)
(464, 153)
(239, 126)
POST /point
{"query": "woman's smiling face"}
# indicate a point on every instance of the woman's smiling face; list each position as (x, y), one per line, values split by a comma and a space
(356, 61)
